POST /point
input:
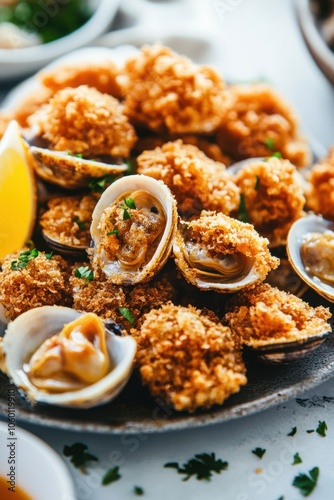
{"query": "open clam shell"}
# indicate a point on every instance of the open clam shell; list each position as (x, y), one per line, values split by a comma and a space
(321, 255)
(27, 333)
(68, 171)
(154, 199)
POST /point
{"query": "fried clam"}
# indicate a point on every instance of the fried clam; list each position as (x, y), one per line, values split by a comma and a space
(310, 249)
(216, 252)
(132, 229)
(271, 197)
(62, 357)
(66, 223)
(78, 135)
(187, 358)
(277, 326)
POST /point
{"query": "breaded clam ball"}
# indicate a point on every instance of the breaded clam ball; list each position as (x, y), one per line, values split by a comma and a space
(320, 194)
(32, 279)
(168, 92)
(273, 197)
(187, 358)
(196, 181)
(83, 120)
(259, 123)
(267, 315)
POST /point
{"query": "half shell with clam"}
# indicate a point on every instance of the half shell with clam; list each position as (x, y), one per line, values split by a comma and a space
(59, 356)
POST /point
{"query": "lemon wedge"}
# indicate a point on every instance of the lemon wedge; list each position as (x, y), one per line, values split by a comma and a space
(17, 192)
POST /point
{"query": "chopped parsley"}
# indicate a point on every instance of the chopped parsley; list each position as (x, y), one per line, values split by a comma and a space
(115, 232)
(98, 185)
(243, 215)
(305, 483)
(257, 183)
(78, 155)
(277, 154)
(296, 459)
(138, 490)
(309, 431)
(126, 313)
(280, 498)
(322, 428)
(49, 255)
(259, 452)
(79, 455)
(293, 431)
(24, 258)
(81, 225)
(126, 214)
(201, 466)
(111, 476)
(129, 202)
(270, 143)
(84, 273)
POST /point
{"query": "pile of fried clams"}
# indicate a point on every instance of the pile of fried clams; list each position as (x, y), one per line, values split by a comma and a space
(182, 124)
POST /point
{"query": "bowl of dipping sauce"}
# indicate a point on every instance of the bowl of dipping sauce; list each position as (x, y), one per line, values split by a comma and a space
(32, 33)
(29, 468)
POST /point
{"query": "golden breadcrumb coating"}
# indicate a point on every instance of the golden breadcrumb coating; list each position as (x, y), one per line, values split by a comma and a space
(320, 192)
(267, 315)
(42, 282)
(166, 91)
(196, 181)
(273, 197)
(203, 242)
(68, 219)
(187, 359)
(30, 104)
(5, 119)
(259, 123)
(101, 75)
(83, 120)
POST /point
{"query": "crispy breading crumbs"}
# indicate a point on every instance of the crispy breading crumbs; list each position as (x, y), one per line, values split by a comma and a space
(188, 359)
(83, 120)
(259, 123)
(166, 91)
(101, 75)
(104, 298)
(320, 192)
(42, 282)
(5, 119)
(266, 315)
(68, 219)
(196, 181)
(273, 197)
(217, 235)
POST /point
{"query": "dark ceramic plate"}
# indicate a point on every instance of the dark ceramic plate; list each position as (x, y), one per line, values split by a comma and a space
(135, 411)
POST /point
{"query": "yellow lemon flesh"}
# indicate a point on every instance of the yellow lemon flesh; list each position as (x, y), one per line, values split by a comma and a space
(17, 192)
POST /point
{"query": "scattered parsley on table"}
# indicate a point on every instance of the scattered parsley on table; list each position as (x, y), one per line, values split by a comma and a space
(201, 466)
(306, 483)
(322, 428)
(259, 452)
(296, 459)
(79, 454)
(293, 431)
(111, 476)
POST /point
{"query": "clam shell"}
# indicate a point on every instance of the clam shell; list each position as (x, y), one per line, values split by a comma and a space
(28, 331)
(297, 233)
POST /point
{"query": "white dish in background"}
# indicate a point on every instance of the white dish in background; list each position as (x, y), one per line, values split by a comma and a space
(39, 470)
(17, 63)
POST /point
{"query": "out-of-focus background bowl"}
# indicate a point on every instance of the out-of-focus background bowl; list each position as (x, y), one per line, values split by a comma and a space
(17, 63)
(318, 47)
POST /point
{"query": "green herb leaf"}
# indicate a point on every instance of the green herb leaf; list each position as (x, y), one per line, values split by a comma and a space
(309, 431)
(115, 232)
(322, 428)
(84, 273)
(24, 258)
(277, 154)
(243, 215)
(14, 266)
(138, 490)
(280, 498)
(293, 432)
(259, 452)
(305, 483)
(78, 155)
(126, 313)
(296, 459)
(79, 455)
(126, 214)
(201, 466)
(270, 143)
(257, 183)
(49, 255)
(80, 223)
(98, 185)
(129, 202)
(111, 476)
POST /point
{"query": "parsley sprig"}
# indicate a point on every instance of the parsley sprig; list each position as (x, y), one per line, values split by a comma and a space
(201, 466)
(24, 258)
(306, 483)
(79, 455)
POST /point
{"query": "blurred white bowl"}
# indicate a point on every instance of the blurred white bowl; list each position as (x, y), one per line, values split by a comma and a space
(17, 63)
(39, 470)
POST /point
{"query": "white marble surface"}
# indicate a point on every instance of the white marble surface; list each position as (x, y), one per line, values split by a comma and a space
(253, 39)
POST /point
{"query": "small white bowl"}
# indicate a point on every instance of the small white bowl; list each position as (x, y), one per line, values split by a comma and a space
(17, 63)
(39, 470)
